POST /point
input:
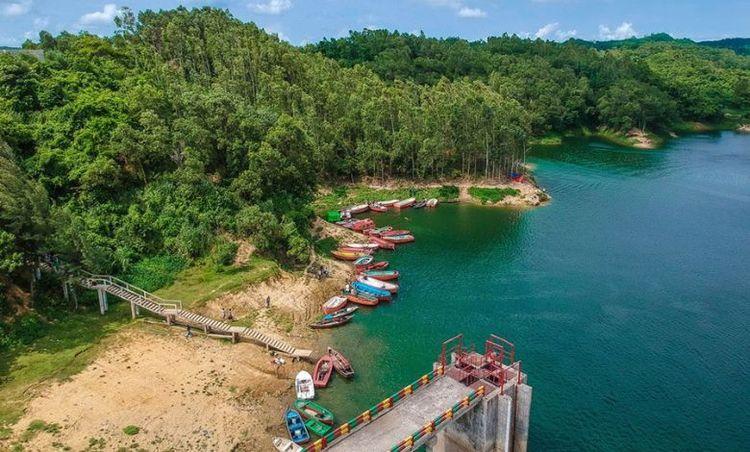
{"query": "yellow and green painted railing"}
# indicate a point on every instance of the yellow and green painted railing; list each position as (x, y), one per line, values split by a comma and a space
(372, 413)
(429, 428)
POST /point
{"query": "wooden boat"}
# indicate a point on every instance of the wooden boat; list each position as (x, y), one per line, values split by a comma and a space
(349, 310)
(362, 251)
(378, 231)
(341, 364)
(296, 428)
(383, 275)
(322, 371)
(377, 265)
(346, 223)
(285, 445)
(334, 304)
(363, 261)
(303, 384)
(419, 204)
(359, 208)
(390, 287)
(406, 203)
(361, 246)
(312, 410)
(383, 244)
(345, 255)
(395, 232)
(361, 225)
(362, 288)
(317, 427)
(404, 238)
(331, 322)
(362, 299)
(433, 202)
(377, 207)
(389, 202)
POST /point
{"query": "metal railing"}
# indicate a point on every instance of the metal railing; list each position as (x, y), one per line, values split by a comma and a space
(109, 280)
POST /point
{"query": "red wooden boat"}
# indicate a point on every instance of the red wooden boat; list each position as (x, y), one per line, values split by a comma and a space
(377, 232)
(323, 371)
(361, 225)
(362, 300)
(377, 207)
(334, 304)
(405, 238)
(395, 232)
(383, 244)
(377, 266)
(341, 364)
(383, 275)
(406, 203)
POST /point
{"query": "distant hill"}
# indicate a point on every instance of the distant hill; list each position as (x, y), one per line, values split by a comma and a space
(741, 46)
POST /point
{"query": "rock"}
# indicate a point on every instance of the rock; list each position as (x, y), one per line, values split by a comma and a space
(744, 128)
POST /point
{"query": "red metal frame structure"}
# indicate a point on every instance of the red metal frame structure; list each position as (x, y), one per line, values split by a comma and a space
(497, 365)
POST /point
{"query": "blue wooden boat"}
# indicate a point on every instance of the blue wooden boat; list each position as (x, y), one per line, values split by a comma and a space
(367, 289)
(296, 428)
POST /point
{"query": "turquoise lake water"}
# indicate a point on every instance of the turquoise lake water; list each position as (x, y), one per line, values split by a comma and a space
(628, 297)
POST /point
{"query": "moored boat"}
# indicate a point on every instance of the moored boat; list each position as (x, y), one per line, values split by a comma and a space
(331, 322)
(296, 428)
(349, 310)
(362, 299)
(361, 225)
(303, 384)
(379, 231)
(317, 427)
(389, 202)
(345, 255)
(378, 284)
(312, 410)
(334, 304)
(433, 202)
(361, 246)
(403, 238)
(285, 445)
(383, 244)
(363, 261)
(419, 204)
(341, 364)
(383, 275)
(359, 208)
(362, 288)
(362, 251)
(395, 232)
(377, 265)
(377, 207)
(323, 371)
(405, 203)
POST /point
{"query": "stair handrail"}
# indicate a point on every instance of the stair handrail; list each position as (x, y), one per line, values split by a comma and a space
(114, 281)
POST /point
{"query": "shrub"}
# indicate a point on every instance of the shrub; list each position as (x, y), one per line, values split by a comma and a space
(491, 195)
(448, 192)
(155, 272)
(224, 253)
(131, 430)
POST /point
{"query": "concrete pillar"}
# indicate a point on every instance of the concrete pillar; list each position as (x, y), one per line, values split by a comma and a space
(235, 337)
(133, 312)
(523, 412)
(100, 294)
(504, 440)
(168, 318)
(205, 328)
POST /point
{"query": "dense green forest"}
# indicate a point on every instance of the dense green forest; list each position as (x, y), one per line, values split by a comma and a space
(156, 145)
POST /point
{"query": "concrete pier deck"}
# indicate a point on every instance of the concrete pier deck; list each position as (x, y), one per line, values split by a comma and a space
(405, 418)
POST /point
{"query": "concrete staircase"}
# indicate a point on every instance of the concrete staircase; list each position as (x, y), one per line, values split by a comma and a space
(172, 311)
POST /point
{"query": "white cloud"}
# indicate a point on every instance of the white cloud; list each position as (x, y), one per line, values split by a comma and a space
(271, 6)
(12, 9)
(624, 31)
(41, 22)
(461, 9)
(545, 31)
(105, 16)
(553, 30)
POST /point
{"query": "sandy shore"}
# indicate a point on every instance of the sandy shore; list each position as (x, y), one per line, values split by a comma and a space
(745, 128)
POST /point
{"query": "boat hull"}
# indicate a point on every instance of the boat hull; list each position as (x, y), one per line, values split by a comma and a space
(332, 323)
(345, 255)
(363, 301)
(382, 275)
(405, 204)
(296, 428)
(312, 410)
(399, 239)
(378, 284)
(380, 294)
(303, 385)
(334, 304)
(323, 371)
(383, 244)
(341, 364)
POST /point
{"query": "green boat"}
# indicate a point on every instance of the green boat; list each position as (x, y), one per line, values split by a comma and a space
(317, 427)
(311, 410)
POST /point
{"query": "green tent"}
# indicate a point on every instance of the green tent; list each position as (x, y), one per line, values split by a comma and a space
(333, 216)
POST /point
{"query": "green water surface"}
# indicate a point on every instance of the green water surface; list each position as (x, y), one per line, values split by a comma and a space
(628, 297)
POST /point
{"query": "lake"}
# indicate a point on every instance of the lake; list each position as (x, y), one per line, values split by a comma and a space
(628, 297)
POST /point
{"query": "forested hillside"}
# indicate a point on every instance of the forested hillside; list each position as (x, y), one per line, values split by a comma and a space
(152, 146)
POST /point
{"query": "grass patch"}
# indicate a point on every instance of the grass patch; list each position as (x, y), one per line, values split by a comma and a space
(491, 195)
(5, 432)
(357, 194)
(282, 319)
(247, 321)
(324, 246)
(196, 285)
(62, 348)
(551, 139)
(37, 426)
(131, 430)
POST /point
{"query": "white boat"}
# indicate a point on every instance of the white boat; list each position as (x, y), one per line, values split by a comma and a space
(359, 208)
(432, 202)
(334, 304)
(388, 203)
(304, 386)
(405, 203)
(285, 445)
(390, 287)
(362, 246)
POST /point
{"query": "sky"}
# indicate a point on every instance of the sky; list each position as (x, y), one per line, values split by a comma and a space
(304, 21)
